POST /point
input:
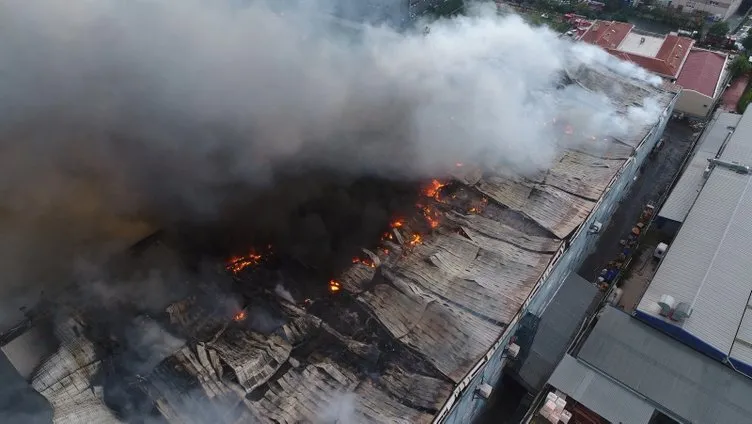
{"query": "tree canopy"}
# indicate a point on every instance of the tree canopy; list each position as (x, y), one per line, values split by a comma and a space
(747, 41)
(740, 65)
(718, 30)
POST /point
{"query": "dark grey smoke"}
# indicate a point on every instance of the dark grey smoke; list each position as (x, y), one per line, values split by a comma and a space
(118, 117)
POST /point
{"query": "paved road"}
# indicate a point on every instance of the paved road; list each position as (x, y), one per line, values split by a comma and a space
(658, 173)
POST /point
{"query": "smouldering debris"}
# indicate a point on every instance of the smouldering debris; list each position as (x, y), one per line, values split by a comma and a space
(334, 286)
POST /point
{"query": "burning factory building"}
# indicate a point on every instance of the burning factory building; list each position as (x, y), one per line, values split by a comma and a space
(379, 280)
(406, 332)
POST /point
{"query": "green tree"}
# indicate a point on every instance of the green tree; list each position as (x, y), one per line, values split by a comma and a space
(747, 43)
(740, 66)
(718, 30)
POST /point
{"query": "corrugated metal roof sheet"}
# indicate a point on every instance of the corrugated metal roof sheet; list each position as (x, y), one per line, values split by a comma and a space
(740, 147)
(686, 190)
(708, 264)
(689, 185)
(559, 323)
(681, 380)
(448, 299)
(599, 394)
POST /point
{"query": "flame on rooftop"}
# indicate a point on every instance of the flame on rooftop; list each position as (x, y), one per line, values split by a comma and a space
(334, 286)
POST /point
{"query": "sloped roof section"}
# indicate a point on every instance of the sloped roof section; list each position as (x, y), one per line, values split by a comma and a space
(607, 34)
(686, 190)
(410, 325)
(65, 378)
(702, 71)
(687, 383)
(667, 61)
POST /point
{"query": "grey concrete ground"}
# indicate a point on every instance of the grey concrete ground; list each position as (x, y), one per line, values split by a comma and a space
(653, 182)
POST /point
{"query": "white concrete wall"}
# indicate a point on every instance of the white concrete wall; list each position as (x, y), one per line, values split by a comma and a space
(724, 8)
(694, 103)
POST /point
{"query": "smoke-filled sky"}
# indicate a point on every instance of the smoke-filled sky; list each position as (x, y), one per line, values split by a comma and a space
(116, 115)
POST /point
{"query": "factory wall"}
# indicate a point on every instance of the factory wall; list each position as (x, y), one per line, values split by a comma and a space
(467, 405)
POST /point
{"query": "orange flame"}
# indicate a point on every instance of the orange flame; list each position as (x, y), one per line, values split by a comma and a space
(478, 208)
(397, 223)
(415, 239)
(431, 216)
(434, 190)
(239, 263)
(334, 286)
(459, 164)
(366, 262)
(240, 316)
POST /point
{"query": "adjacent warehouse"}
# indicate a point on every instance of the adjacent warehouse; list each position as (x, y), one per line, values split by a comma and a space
(684, 355)
(705, 273)
(628, 372)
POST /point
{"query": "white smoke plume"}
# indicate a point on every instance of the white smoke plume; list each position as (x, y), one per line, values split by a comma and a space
(116, 114)
(282, 292)
(340, 410)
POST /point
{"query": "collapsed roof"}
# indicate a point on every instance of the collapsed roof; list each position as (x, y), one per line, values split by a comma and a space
(409, 325)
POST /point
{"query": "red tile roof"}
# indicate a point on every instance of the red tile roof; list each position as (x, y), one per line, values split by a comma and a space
(667, 62)
(701, 71)
(607, 35)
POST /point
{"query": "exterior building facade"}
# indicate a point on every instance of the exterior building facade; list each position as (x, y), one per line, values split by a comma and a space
(719, 9)
(703, 79)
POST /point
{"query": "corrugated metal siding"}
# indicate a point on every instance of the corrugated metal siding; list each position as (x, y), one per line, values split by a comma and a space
(607, 398)
(681, 380)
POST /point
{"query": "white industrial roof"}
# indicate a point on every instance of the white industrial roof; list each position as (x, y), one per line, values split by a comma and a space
(644, 45)
(708, 265)
(689, 185)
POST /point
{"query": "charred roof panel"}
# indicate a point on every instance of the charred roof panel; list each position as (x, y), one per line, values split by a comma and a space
(483, 281)
(253, 357)
(582, 175)
(448, 337)
(477, 224)
(419, 390)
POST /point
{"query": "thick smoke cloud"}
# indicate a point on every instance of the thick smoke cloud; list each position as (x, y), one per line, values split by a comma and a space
(120, 116)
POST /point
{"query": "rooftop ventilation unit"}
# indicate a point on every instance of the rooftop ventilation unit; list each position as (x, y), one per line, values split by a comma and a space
(660, 251)
(666, 303)
(681, 312)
